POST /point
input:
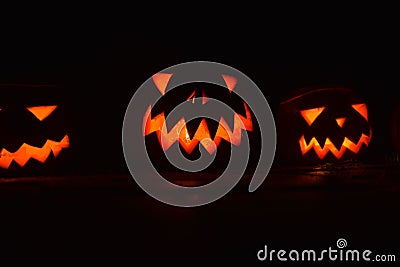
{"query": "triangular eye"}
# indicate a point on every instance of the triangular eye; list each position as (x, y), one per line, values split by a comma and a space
(41, 112)
(230, 82)
(362, 109)
(311, 114)
(161, 81)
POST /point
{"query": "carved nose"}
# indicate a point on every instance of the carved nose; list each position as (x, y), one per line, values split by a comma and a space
(204, 98)
(340, 121)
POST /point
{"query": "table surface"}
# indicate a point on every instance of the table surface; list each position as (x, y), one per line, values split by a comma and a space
(97, 218)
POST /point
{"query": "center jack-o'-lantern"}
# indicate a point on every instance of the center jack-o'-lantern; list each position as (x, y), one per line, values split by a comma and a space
(34, 129)
(161, 132)
(320, 125)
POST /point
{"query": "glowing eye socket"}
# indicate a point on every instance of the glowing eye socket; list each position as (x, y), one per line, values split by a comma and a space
(161, 81)
(311, 114)
(41, 112)
(230, 82)
(362, 109)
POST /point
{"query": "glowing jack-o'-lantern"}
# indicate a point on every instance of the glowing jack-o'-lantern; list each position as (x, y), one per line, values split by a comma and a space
(202, 134)
(323, 125)
(200, 131)
(33, 127)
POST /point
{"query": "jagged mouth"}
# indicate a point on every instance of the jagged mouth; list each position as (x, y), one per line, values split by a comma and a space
(179, 132)
(26, 152)
(328, 146)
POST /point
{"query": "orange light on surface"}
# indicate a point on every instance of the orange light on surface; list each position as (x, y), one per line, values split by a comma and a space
(329, 146)
(26, 152)
(311, 114)
(180, 133)
(41, 112)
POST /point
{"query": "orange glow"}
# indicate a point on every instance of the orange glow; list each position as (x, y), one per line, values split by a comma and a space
(329, 146)
(362, 109)
(204, 98)
(230, 82)
(161, 81)
(191, 97)
(340, 121)
(26, 152)
(180, 133)
(42, 112)
(311, 114)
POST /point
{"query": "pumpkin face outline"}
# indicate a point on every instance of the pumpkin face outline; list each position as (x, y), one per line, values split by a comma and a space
(34, 128)
(328, 124)
(201, 134)
(224, 90)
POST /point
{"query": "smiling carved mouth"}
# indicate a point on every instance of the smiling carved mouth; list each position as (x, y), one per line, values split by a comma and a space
(26, 152)
(179, 132)
(329, 146)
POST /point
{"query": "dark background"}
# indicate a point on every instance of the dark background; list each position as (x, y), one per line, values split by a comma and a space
(100, 214)
(99, 74)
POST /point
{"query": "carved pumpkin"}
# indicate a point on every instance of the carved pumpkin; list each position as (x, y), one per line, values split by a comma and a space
(213, 136)
(34, 128)
(318, 125)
